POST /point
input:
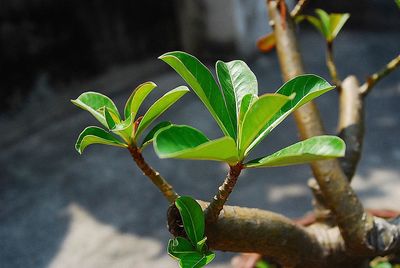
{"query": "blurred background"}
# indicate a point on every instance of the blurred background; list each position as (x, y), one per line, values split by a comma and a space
(60, 209)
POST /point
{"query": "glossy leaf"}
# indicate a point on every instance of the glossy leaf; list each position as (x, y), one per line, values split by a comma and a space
(196, 260)
(247, 101)
(124, 129)
(179, 246)
(150, 136)
(110, 118)
(186, 142)
(137, 97)
(306, 88)
(203, 84)
(236, 80)
(93, 135)
(192, 218)
(313, 149)
(159, 107)
(94, 102)
(258, 116)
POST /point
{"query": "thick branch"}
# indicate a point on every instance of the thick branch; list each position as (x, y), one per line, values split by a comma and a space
(224, 191)
(376, 77)
(353, 222)
(165, 188)
(351, 124)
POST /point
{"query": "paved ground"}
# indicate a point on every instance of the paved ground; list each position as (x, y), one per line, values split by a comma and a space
(59, 209)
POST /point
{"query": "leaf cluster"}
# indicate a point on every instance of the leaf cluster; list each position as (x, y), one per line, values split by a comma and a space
(191, 252)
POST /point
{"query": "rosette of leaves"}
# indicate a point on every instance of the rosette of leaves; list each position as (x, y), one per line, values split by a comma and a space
(123, 131)
(328, 24)
(190, 251)
(244, 117)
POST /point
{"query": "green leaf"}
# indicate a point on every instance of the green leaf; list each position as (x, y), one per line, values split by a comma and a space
(306, 88)
(179, 246)
(137, 97)
(203, 84)
(236, 80)
(124, 129)
(192, 217)
(397, 2)
(315, 22)
(150, 136)
(257, 117)
(92, 135)
(337, 22)
(186, 142)
(160, 106)
(325, 22)
(312, 149)
(247, 101)
(110, 118)
(94, 102)
(196, 260)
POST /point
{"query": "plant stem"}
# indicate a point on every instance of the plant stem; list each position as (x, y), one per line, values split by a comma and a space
(166, 189)
(376, 77)
(330, 63)
(224, 191)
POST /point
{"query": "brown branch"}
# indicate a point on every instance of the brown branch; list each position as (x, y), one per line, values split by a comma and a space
(376, 77)
(224, 191)
(166, 189)
(351, 218)
(351, 124)
(330, 63)
(298, 8)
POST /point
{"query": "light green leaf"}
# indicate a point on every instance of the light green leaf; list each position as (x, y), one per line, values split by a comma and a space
(179, 246)
(150, 136)
(201, 246)
(94, 102)
(247, 101)
(257, 117)
(236, 80)
(186, 142)
(124, 129)
(92, 135)
(137, 97)
(337, 22)
(192, 218)
(203, 84)
(159, 107)
(315, 22)
(325, 22)
(312, 149)
(306, 88)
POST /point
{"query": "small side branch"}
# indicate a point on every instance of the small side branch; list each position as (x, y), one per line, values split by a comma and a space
(298, 8)
(376, 77)
(330, 63)
(166, 189)
(224, 191)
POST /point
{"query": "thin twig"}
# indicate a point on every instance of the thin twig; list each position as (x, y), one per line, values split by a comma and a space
(298, 8)
(376, 77)
(166, 189)
(330, 63)
(224, 191)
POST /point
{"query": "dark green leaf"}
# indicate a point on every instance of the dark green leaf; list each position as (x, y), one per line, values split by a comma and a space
(313, 149)
(306, 88)
(150, 136)
(94, 102)
(137, 97)
(159, 107)
(179, 246)
(237, 80)
(189, 143)
(192, 217)
(202, 82)
(92, 135)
